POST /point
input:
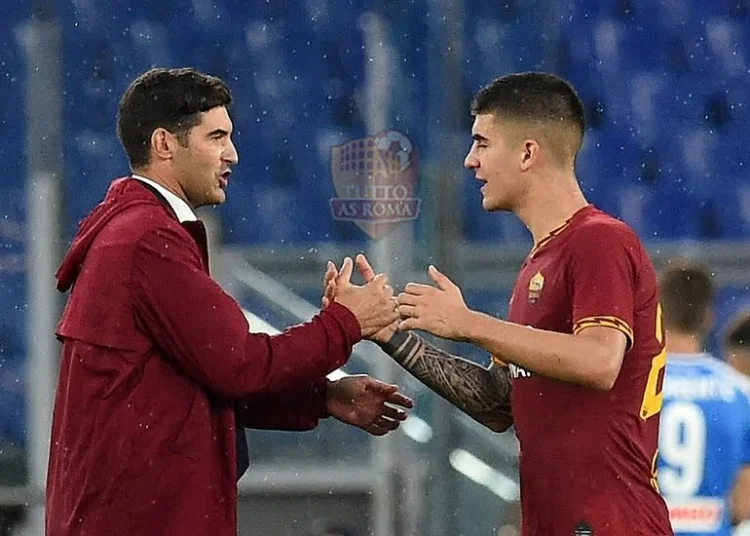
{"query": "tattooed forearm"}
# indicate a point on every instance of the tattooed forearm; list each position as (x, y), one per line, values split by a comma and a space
(483, 394)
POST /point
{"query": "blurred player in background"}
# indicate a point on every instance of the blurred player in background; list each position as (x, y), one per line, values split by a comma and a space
(736, 350)
(159, 373)
(736, 345)
(584, 339)
(704, 440)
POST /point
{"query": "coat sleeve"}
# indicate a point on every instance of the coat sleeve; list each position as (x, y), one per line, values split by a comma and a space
(295, 409)
(203, 330)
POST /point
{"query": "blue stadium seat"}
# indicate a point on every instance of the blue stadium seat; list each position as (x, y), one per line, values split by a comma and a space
(730, 205)
(297, 87)
(498, 40)
(94, 160)
(12, 227)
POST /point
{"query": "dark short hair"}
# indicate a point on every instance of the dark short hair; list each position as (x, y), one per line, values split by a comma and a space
(686, 292)
(737, 334)
(165, 98)
(535, 97)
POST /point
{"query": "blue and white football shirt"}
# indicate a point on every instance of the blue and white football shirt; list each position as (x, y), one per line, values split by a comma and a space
(704, 441)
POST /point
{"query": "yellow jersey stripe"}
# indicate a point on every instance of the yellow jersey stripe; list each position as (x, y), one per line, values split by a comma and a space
(606, 321)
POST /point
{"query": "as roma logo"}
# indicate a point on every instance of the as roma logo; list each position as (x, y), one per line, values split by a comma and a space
(536, 284)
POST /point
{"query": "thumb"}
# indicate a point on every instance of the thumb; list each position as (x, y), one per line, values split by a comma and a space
(331, 273)
(345, 275)
(440, 279)
(364, 268)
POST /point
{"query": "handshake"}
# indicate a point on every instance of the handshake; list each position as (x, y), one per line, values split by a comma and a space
(439, 309)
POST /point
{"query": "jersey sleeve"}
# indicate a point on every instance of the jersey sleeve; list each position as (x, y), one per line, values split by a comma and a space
(602, 278)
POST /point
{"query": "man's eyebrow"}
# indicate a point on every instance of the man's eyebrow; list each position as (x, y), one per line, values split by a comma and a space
(479, 137)
(218, 132)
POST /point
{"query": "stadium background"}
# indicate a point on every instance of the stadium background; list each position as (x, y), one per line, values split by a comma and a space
(666, 86)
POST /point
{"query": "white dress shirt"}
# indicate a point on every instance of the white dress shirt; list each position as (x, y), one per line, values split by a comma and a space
(180, 207)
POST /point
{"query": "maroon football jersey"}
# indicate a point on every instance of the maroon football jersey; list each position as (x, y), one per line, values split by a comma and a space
(588, 456)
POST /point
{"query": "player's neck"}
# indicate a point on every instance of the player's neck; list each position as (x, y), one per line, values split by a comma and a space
(550, 202)
(684, 343)
(162, 179)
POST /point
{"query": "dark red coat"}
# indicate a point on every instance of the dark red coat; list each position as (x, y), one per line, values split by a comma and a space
(155, 359)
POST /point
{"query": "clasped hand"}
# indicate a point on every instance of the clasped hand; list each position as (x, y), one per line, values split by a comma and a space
(440, 309)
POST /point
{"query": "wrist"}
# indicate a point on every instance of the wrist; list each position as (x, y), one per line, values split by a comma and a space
(467, 325)
(392, 345)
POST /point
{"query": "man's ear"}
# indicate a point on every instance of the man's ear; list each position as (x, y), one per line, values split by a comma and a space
(163, 144)
(529, 154)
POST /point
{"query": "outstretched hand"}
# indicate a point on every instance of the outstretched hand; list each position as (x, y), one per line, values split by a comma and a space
(368, 274)
(367, 403)
(440, 310)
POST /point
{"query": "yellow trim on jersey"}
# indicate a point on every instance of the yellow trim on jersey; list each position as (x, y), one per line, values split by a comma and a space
(552, 234)
(608, 322)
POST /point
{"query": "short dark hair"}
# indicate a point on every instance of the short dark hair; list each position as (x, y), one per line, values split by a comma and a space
(737, 334)
(539, 98)
(168, 98)
(686, 292)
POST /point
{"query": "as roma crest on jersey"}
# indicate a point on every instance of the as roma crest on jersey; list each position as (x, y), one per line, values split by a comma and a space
(376, 182)
(536, 284)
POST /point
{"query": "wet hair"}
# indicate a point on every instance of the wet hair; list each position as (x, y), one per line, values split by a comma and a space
(541, 99)
(165, 98)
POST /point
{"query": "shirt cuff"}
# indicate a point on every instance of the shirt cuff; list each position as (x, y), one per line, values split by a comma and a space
(318, 397)
(347, 319)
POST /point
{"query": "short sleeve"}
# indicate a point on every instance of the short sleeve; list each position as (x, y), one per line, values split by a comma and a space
(602, 278)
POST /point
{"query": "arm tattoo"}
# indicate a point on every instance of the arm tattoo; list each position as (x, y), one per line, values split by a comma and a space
(481, 393)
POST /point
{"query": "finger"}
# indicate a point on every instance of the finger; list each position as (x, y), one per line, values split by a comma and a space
(345, 275)
(442, 280)
(400, 399)
(410, 324)
(363, 265)
(392, 317)
(331, 272)
(387, 424)
(329, 294)
(408, 311)
(330, 275)
(330, 290)
(376, 430)
(389, 291)
(385, 389)
(379, 280)
(394, 413)
(408, 299)
(418, 289)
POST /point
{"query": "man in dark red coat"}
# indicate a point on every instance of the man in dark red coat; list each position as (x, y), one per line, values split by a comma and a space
(159, 370)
